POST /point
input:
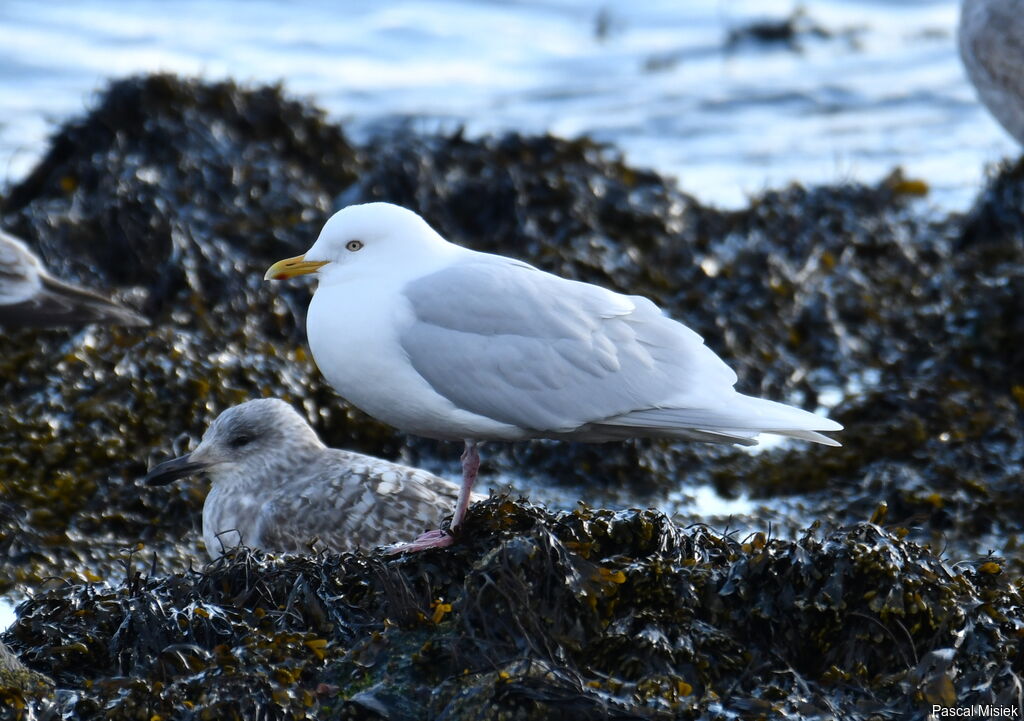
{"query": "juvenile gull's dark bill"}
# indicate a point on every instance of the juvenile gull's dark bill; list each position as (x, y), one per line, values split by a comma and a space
(278, 488)
(450, 343)
(31, 297)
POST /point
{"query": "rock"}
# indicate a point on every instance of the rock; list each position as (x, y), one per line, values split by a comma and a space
(836, 598)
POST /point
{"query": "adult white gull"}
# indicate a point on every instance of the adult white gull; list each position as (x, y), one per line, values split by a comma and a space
(278, 488)
(450, 343)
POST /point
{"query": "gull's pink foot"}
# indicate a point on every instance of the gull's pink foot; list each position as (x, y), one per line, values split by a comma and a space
(430, 539)
(443, 539)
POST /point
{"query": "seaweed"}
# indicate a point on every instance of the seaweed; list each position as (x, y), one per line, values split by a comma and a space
(878, 579)
(589, 613)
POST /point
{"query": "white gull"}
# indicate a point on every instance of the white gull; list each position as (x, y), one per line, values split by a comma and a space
(450, 343)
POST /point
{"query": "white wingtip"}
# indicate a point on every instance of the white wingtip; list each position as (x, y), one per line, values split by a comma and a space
(812, 436)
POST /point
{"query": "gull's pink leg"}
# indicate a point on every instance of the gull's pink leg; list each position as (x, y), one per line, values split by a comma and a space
(470, 465)
(441, 539)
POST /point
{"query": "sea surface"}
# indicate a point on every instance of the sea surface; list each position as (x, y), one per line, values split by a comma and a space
(862, 86)
(6, 613)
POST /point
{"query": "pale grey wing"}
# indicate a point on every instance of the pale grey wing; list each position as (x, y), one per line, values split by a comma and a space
(992, 45)
(509, 342)
(29, 297)
(354, 501)
(993, 36)
(58, 304)
(19, 270)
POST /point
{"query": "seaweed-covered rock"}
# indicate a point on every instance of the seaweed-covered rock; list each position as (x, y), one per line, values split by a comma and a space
(177, 194)
(23, 691)
(585, 614)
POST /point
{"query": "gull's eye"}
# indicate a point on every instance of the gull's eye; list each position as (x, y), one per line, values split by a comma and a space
(239, 441)
(354, 245)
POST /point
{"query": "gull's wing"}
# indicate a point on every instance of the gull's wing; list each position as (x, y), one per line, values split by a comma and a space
(59, 304)
(19, 271)
(561, 358)
(29, 297)
(507, 341)
(992, 47)
(348, 501)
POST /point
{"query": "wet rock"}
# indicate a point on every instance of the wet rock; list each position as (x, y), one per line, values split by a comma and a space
(786, 31)
(23, 691)
(179, 193)
(586, 614)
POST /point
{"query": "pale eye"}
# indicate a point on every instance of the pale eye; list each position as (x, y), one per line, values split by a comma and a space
(354, 245)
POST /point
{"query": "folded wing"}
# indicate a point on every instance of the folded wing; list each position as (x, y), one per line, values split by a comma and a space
(562, 358)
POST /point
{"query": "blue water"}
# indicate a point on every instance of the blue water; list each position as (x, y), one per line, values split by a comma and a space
(6, 614)
(657, 78)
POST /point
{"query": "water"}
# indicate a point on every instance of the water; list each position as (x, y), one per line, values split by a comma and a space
(6, 614)
(656, 78)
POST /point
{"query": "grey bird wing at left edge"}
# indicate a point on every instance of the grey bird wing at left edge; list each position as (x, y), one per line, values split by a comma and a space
(19, 270)
(59, 304)
(354, 501)
(509, 342)
(30, 297)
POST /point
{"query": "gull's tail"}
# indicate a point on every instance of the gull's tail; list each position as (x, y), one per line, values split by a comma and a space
(737, 421)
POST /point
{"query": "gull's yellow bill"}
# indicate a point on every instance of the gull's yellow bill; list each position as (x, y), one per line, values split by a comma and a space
(291, 267)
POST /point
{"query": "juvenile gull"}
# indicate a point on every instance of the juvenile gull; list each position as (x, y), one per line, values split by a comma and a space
(991, 35)
(31, 297)
(278, 488)
(450, 343)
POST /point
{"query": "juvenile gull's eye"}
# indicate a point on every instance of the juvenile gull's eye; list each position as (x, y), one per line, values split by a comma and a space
(239, 441)
(354, 245)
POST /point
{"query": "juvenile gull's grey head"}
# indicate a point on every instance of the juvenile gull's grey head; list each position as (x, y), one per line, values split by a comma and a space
(277, 487)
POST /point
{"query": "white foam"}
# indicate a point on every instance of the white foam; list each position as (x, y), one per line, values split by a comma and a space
(706, 502)
(6, 614)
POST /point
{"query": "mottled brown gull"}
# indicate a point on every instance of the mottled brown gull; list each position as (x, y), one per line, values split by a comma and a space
(31, 297)
(277, 487)
(450, 343)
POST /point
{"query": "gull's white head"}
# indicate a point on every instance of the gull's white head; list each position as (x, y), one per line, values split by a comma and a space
(369, 237)
(259, 438)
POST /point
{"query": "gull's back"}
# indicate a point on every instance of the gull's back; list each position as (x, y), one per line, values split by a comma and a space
(346, 500)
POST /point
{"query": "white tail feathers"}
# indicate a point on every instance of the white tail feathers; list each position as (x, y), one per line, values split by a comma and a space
(737, 420)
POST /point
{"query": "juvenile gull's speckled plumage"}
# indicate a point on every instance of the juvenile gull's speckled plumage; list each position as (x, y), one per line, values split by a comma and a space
(31, 297)
(277, 487)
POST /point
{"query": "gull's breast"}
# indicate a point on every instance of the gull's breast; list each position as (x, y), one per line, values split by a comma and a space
(354, 330)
